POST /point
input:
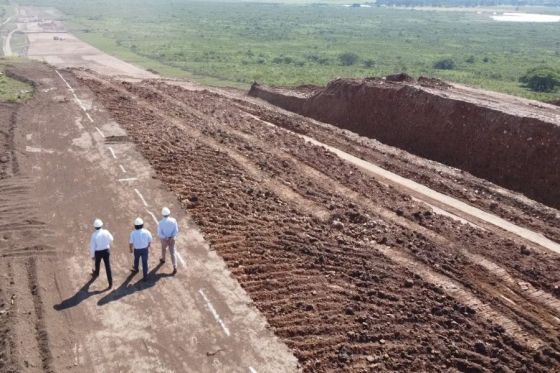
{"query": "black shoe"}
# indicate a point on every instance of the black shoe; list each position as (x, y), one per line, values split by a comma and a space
(174, 271)
(94, 275)
(134, 270)
(161, 261)
(144, 279)
(110, 286)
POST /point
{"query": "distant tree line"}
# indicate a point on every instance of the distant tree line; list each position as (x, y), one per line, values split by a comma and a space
(466, 3)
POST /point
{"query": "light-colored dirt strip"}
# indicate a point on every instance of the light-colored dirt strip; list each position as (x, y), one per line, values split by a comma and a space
(7, 44)
(6, 21)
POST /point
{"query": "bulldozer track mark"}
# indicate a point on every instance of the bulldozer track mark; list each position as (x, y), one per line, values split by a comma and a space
(40, 327)
(116, 139)
(29, 251)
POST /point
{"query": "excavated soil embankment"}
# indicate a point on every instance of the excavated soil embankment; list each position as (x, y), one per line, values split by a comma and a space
(512, 143)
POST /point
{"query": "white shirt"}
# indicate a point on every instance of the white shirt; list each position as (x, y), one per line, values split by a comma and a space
(140, 238)
(167, 228)
(101, 239)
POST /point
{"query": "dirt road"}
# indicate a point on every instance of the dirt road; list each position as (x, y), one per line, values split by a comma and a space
(72, 163)
(7, 49)
(6, 41)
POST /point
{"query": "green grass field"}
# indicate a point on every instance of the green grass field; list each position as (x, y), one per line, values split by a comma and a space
(236, 43)
(13, 90)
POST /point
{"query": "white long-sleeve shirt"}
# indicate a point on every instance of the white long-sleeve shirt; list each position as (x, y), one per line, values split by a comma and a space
(101, 239)
(167, 228)
(140, 238)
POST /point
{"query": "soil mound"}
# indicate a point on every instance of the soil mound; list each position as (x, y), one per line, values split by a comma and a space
(503, 139)
(402, 77)
(433, 83)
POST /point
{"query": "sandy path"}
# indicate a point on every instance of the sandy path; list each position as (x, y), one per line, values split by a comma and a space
(199, 320)
(7, 49)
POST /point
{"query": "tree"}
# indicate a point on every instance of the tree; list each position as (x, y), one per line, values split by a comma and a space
(541, 79)
(445, 64)
(348, 58)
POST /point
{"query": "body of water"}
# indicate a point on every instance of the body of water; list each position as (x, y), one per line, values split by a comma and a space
(525, 17)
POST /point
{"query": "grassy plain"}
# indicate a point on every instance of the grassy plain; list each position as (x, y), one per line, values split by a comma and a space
(235, 43)
(13, 90)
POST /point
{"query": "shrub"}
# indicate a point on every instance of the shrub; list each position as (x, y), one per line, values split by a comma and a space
(445, 64)
(541, 79)
(282, 59)
(348, 58)
(470, 59)
(369, 63)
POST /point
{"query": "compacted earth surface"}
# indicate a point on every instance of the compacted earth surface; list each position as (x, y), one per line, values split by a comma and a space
(351, 273)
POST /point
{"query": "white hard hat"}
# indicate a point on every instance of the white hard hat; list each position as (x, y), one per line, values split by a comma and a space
(97, 223)
(165, 211)
(138, 221)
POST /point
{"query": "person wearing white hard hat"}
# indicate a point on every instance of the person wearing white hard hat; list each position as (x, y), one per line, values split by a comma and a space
(167, 231)
(99, 249)
(139, 243)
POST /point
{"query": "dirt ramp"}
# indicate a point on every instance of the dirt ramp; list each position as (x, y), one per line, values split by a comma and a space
(510, 141)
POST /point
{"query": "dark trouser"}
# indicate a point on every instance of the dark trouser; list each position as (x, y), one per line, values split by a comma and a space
(103, 254)
(141, 253)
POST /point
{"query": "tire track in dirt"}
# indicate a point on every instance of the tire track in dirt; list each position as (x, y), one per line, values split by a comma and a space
(8, 163)
(21, 240)
(463, 295)
(40, 327)
(8, 359)
(335, 301)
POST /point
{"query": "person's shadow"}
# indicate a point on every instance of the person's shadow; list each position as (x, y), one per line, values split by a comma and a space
(79, 297)
(127, 288)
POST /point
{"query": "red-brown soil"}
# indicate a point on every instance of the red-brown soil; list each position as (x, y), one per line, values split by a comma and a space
(514, 145)
(320, 246)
